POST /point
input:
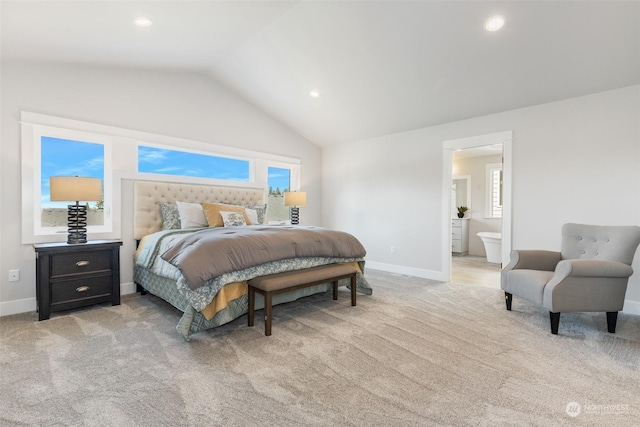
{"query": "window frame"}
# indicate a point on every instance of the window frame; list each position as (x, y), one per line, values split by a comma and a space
(490, 191)
(32, 229)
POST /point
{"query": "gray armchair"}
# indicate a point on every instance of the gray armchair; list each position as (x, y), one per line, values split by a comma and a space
(590, 273)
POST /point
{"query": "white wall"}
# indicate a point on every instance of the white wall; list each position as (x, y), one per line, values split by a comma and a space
(184, 105)
(576, 160)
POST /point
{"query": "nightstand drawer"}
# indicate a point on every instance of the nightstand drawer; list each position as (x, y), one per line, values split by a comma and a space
(80, 262)
(76, 275)
(73, 290)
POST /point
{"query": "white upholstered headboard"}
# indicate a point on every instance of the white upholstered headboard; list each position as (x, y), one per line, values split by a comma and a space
(148, 195)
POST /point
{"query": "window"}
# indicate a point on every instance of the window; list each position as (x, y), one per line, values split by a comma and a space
(54, 151)
(183, 163)
(279, 181)
(58, 146)
(494, 190)
(64, 157)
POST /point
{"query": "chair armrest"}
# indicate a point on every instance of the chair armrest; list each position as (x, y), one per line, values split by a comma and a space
(587, 285)
(534, 260)
(592, 268)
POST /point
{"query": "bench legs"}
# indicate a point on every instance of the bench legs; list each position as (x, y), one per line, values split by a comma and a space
(268, 303)
(252, 305)
(267, 313)
(353, 290)
(267, 309)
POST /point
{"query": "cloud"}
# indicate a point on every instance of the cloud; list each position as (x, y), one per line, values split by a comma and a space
(152, 155)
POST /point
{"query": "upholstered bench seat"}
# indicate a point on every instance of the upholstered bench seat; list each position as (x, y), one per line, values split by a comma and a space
(289, 281)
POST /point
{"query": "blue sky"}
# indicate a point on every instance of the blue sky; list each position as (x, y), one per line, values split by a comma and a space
(61, 157)
(181, 163)
(279, 178)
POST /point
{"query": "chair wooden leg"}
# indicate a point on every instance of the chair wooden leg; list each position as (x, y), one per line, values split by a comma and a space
(555, 321)
(508, 298)
(612, 319)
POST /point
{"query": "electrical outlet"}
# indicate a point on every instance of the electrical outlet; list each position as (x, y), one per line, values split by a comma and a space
(14, 275)
(393, 249)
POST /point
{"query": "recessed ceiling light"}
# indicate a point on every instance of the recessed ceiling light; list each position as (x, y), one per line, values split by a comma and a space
(143, 22)
(494, 23)
(314, 93)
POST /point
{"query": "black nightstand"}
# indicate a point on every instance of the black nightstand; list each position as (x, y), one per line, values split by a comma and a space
(72, 276)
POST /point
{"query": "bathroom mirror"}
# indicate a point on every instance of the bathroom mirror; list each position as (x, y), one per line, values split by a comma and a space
(460, 193)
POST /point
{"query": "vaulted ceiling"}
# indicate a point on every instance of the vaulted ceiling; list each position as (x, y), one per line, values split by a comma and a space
(379, 67)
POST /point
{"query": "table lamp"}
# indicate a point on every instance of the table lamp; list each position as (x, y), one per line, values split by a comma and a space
(76, 188)
(295, 199)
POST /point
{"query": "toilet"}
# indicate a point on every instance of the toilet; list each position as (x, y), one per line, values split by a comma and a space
(492, 246)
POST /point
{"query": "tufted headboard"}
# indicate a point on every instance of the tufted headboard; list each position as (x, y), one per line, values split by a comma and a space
(148, 195)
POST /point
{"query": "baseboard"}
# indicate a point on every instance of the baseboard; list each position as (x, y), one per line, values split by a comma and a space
(29, 304)
(8, 308)
(409, 271)
(127, 288)
(631, 307)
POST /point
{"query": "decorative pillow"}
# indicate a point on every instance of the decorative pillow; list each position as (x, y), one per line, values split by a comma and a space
(170, 216)
(212, 213)
(261, 211)
(232, 219)
(191, 215)
(252, 214)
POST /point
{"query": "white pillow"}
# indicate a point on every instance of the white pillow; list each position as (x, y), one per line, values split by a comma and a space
(252, 214)
(261, 211)
(191, 215)
(232, 219)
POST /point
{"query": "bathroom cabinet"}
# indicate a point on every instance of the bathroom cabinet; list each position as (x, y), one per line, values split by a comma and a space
(460, 236)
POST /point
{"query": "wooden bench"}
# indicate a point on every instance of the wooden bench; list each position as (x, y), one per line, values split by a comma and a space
(289, 281)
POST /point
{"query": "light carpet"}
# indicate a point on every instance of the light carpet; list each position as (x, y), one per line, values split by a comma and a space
(415, 353)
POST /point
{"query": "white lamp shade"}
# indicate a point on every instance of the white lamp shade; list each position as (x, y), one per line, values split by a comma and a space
(75, 189)
(295, 198)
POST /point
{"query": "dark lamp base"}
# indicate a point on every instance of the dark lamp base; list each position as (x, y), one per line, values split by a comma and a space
(74, 240)
(295, 215)
(77, 223)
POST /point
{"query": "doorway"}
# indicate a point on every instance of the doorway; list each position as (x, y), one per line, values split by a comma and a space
(490, 145)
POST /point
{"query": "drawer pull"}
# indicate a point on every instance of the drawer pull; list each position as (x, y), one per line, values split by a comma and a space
(82, 289)
(82, 263)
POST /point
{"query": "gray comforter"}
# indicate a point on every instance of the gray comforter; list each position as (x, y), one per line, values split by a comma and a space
(209, 253)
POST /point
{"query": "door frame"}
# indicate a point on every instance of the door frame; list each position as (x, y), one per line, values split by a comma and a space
(448, 147)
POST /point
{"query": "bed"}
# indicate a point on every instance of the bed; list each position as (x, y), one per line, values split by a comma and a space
(207, 282)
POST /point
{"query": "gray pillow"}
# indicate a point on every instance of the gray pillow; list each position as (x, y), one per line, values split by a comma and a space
(261, 210)
(170, 216)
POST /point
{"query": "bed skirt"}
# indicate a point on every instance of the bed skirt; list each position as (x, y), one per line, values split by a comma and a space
(193, 321)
